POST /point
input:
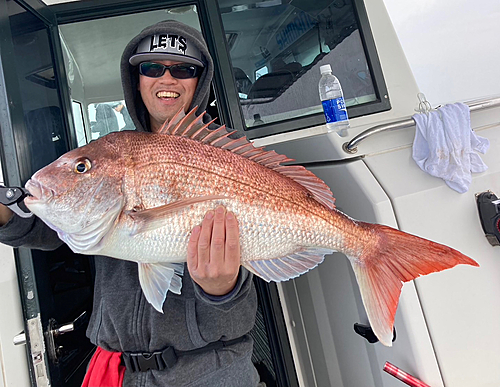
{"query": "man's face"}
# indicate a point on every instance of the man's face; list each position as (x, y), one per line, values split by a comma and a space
(166, 95)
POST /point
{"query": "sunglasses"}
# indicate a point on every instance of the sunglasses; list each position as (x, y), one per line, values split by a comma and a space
(179, 71)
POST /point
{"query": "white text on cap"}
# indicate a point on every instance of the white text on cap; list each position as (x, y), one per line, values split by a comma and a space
(162, 42)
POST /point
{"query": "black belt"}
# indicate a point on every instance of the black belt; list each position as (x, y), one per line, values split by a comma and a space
(166, 358)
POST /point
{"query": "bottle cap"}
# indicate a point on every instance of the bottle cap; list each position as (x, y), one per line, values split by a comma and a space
(325, 69)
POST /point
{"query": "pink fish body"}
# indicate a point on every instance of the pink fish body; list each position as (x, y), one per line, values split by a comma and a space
(136, 196)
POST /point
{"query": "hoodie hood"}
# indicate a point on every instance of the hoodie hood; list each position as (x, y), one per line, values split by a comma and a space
(130, 73)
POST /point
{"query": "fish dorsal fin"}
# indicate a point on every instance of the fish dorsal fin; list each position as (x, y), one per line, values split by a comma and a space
(192, 126)
(168, 125)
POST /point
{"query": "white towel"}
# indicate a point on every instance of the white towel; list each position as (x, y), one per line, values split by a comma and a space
(445, 145)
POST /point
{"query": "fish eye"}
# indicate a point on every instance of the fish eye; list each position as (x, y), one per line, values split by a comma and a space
(82, 166)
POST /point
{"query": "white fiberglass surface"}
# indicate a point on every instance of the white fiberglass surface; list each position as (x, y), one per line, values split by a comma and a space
(13, 361)
(459, 305)
(450, 46)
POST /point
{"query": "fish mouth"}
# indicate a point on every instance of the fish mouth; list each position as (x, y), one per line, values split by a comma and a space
(37, 191)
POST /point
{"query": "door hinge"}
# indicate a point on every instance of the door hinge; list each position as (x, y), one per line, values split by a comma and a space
(37, 347)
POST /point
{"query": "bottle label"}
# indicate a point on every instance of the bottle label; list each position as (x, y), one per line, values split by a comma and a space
(335, 110)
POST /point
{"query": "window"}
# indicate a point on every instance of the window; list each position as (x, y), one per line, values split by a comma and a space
(277, 48)
(109, 117)
(92, 50)
(81, 135)
(260, 72)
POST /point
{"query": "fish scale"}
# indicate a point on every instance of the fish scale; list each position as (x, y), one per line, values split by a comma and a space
(214, 174)
(137, 196)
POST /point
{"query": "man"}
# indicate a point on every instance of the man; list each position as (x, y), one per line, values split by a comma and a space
(201, 339)
(120, 108)
(106, 120)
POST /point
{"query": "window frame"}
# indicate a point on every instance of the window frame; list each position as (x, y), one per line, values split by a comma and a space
(224, 81)
(381, 103)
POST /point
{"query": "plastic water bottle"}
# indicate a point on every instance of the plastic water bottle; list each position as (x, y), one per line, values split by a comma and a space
(330, 93)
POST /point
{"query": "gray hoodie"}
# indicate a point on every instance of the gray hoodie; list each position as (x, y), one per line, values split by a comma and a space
(122, 319)
(130, 74)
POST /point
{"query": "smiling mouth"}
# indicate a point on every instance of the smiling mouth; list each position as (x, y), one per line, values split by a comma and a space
(167, 94)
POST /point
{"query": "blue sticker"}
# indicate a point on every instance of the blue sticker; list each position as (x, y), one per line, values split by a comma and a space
(335, 110)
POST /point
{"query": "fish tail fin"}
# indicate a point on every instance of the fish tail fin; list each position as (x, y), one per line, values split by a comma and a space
(396, 257)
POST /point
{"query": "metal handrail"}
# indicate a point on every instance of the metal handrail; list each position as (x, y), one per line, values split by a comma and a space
(351, 147)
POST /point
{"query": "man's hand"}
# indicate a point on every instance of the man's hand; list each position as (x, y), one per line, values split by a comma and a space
(5, 214)
(214, 252)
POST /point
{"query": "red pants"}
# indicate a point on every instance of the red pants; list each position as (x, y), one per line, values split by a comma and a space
(105, 370)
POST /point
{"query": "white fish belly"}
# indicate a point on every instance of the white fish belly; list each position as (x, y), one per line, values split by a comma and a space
(264, 234)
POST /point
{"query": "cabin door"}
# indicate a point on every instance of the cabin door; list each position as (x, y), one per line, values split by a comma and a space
(36, 128)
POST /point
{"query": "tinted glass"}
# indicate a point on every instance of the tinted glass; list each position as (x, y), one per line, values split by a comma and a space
(45, 136)
(93, 50)
(81, 136)
(277, 49)
(58, 283)
(109, 117)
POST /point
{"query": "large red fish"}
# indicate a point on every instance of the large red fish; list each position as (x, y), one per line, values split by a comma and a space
(136, 196)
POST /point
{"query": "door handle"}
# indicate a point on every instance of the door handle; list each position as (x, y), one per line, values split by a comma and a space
(54, 350)
(20, 339)
(70, 327)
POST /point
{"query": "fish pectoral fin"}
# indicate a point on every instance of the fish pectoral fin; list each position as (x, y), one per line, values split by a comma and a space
(157, 279)
(153, 218)
(290, 266)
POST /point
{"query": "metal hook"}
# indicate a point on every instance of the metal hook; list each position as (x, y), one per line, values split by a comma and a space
(424, 106)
